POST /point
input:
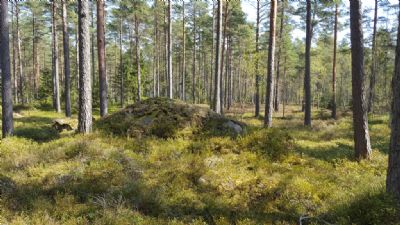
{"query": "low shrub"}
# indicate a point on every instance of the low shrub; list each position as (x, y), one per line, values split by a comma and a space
(276, 144)
(370, 209)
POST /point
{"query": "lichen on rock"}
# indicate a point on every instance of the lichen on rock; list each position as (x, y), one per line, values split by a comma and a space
(167, 118)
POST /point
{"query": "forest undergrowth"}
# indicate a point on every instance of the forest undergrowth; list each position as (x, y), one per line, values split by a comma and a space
(266, 176)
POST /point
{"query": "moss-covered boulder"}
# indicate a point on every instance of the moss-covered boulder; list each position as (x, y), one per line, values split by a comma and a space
(166, 118)
(65, 124)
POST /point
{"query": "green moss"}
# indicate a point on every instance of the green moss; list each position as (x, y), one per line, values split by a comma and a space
(165, 118)
(274, 143)
(267, 176)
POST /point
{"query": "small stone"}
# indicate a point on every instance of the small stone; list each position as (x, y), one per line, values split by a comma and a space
(202, 181)
(212, 161)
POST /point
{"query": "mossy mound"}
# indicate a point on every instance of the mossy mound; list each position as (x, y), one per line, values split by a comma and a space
(166, 118)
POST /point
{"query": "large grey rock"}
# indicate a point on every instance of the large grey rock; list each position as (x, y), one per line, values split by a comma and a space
(166, 118)
(234, 127)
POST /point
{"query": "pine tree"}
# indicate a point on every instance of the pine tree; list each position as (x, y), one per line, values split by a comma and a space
(360, 118)
(217, 67)
(270, 70)
(85, 87)
(7, 104)
(67, 91)
(101, 52)
(393, 174)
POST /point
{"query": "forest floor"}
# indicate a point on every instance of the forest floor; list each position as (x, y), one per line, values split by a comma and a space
(52, 178)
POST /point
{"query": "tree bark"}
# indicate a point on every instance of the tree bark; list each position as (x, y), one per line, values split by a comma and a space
(15, 81)
(85, 89)
(55, 72)
(169, 55)
(360, 118)
(284, 90)
(334, 116)
(92, 40)
(222, 93)
(307, 75)
(211, 96)
(21, 77)
(393, 173)
(137, 50)
(194, 55)
(373, 63)
(66, 61)
(166, 75)
(101, 55)
(7, 104)
(278, 66)
(217, 67)
(183, 94)
(229, 72)
(122, 83)
(156, 52)
(270, 69)
(257, 95)
(77, 56)
(35, 56)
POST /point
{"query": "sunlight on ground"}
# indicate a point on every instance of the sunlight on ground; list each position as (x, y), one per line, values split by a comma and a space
(51, 178)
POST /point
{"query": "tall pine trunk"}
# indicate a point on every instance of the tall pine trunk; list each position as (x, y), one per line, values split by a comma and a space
(137, 51)
(229, 72)
(224, 34)
(334, 116)
(257, 94)
(156, 52)
(183, 91)
(278, 66)
(15, 76)
(77, 55)
(270, 68)
(307, 75)
(393, 174)
(122, 82)
(165, 57)
(85, 89)
(6, 97)
(55, 72)
(169, 53)
(373, 63)
(92, 40)
(285, 89)
(21, 77)
(101, 55)
(35, 56)
(194, 55)
(66, 61)
(210, 88)
(217, 67)
(360, 118)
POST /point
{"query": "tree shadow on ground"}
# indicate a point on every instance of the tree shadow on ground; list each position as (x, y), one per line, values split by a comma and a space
(36, 128)
(329, 154)
(367, 209)
(100, 189)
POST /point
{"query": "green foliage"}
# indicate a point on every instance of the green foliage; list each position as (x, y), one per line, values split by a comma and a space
(274, 143)
(46, 87)
(370, 209)
(268, 176)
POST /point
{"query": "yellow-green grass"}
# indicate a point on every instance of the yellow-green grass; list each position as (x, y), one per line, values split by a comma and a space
(51, 178)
